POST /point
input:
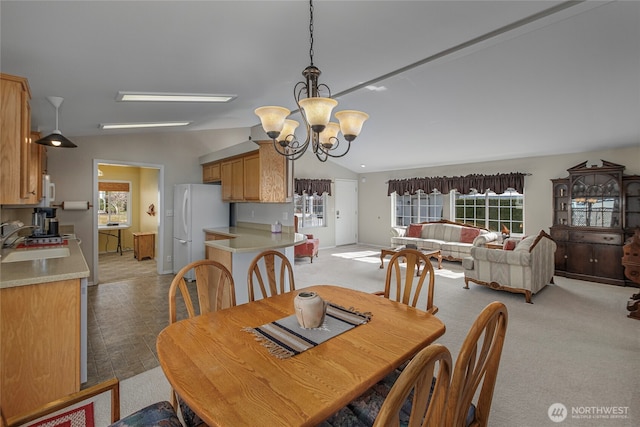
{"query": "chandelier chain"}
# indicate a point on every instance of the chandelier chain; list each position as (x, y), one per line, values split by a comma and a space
(311, 31)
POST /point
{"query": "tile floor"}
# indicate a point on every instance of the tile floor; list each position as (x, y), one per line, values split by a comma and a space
(124, 318)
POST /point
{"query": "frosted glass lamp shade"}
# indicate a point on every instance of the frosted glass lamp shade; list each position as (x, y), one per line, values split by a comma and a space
(272, 119)
(329, 135)
(318, 111)
(288, 129)
(351, 122)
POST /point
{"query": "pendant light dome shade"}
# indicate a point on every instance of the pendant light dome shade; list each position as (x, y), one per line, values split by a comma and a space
(56, 139)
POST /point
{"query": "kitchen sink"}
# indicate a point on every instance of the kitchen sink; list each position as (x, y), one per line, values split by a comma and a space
(35, 254)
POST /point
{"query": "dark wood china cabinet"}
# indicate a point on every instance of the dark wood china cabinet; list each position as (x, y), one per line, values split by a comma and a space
(595, 210)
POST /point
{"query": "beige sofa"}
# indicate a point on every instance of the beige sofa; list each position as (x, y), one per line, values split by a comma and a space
(453, 240)
(526, 269)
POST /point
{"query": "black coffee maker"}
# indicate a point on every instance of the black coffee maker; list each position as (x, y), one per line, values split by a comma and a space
(45, 222)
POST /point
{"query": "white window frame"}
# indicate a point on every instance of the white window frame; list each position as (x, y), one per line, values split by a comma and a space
(313, 212)
(507, 215)
(411, 209)
(102, 213)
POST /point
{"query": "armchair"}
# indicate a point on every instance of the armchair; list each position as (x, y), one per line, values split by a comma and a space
(308, 248)
(526, 269)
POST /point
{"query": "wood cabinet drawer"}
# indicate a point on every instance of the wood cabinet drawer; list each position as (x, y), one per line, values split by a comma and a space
(591, 237)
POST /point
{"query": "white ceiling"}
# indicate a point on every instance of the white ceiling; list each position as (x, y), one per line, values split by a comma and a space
(563, 83)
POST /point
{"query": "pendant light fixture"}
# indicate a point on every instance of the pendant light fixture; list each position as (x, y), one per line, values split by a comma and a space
(55, 139)
(316, 113)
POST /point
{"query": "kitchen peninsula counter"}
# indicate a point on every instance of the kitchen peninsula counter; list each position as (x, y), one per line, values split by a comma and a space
(236, 247)
(248, 239)
(23, 273)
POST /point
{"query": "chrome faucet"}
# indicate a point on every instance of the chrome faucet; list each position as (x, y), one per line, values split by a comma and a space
(3, 239)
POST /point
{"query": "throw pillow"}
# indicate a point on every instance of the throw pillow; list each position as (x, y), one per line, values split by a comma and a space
(468, 234)
(509, 245)
(415, 230)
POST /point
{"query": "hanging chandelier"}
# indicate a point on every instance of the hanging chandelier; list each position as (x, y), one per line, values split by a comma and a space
(322, 134)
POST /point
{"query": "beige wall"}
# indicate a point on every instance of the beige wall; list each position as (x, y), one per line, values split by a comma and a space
(375, 206)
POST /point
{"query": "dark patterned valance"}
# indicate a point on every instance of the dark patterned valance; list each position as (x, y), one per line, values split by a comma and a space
(463, 184)
(311, 186)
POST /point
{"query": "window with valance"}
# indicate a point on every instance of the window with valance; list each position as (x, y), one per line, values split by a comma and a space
(489, 201)
(310, 201)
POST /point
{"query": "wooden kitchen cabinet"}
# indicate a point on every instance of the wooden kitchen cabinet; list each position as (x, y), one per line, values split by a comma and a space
(16, 184)
(211, 173)
(40, 350)
(216, 254)
(37, 162)
(233, 180)
(144, 245)
(590, 212)
(259, 176)
(251, 177)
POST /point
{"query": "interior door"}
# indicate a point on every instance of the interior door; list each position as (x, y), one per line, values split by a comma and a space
(346, 211)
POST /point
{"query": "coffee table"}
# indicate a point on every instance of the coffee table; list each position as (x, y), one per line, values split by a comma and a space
(431, 253)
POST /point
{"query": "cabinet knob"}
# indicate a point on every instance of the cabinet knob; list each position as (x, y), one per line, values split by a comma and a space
(590, 260)
(595, 260)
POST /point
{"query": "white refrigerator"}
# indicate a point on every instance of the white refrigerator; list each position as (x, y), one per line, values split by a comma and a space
(195, 207)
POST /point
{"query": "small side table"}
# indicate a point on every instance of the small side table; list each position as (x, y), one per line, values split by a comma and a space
(144, 245)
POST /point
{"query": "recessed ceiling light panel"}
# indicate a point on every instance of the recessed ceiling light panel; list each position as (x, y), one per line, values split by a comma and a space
(141, 125)
(172, 97)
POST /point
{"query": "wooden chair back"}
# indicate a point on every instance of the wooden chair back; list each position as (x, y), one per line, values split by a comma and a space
(430, 389)
(214, 285)
(477, 364)
(112, 385)
(271, 272)
(405, 285)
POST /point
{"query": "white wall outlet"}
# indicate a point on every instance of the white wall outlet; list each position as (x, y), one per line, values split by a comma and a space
(169, 212)
(285, 216)
(168, 258)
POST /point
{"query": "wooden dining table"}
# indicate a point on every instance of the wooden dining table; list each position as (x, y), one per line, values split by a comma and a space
(229, 378)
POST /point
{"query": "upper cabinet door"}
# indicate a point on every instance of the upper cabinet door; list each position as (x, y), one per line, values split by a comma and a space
(15, 147)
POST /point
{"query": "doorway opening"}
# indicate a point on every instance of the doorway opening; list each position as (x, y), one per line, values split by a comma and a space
(129, 199)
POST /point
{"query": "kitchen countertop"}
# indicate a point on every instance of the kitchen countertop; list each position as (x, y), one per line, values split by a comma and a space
(22, 273)
(248, 239)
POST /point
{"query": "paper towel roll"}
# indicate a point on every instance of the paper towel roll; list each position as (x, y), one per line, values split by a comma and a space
(75, 206)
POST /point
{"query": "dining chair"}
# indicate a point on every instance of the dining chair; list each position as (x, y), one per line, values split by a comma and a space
(161, 413)
(470, 394)
(425, 381)
(399, 283)
(270, 272)
(476, 369)
(214, 286)
(216, 291)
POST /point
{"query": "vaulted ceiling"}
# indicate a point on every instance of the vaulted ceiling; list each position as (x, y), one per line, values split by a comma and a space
(546, 81)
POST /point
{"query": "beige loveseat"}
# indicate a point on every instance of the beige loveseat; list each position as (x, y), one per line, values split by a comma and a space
(526, 269)
(453, 240)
